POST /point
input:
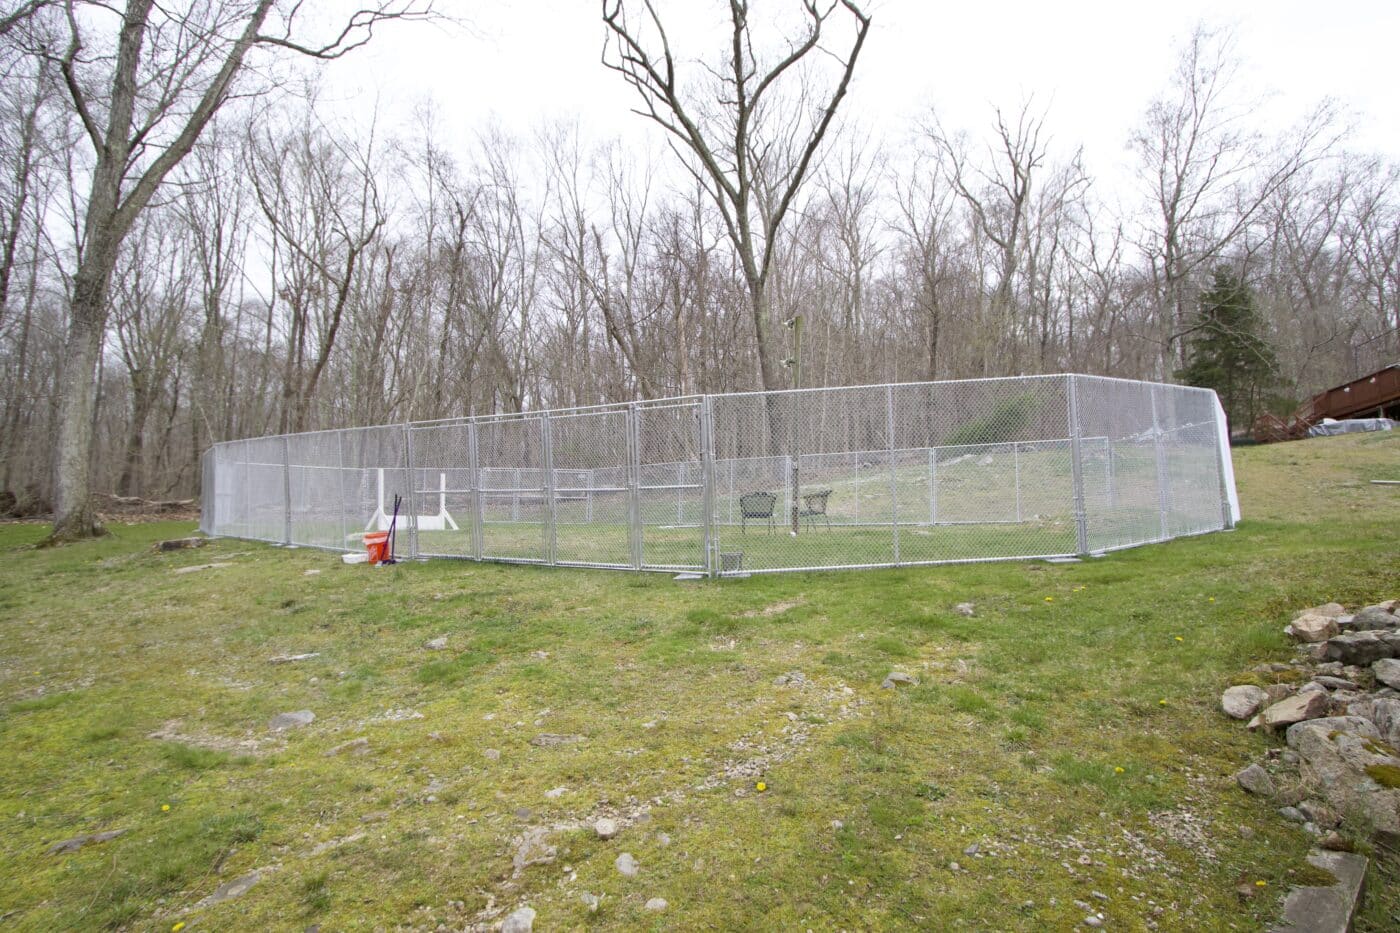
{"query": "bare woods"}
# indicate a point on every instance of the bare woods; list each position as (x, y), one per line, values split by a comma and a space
(193, 248)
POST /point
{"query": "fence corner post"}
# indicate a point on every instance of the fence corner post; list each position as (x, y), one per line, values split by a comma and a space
(1081, 524)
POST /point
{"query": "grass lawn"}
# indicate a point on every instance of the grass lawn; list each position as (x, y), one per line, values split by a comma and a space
(1070, 732)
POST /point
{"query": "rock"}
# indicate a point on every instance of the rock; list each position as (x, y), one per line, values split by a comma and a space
(1362, 648)
(1332, 907)
(1295, 709)
(1312, 686)
(954, 866)
(657, 904)
(217, 565)
(1358, 724)
(179, 544)
(548, 740)
(591, 901)
(354, 746)
(293, 658)
(440, 644)
(521, 920)
(627, 865)
(77, 842)
(284, 721)
(606, 828)
(966, 609)
(1326, 610)
(1256, 780)
(1384, 713)
(554, 793)
(491, 754)
(1317, 812)
(1292, 814)
(1387, 671)
(1336, 683)
(1093, 920)
(1312, 628)
(533, 849)
(971, 850)
(235, 888)
(1242, 702)
(1374, 618)
(1343, 767)
(837, 825)
(1331, 668)
(1276, 692)
(896, 677)
(791, 679)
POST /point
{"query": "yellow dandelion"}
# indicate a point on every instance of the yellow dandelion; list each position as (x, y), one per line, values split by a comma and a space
(1161, 702)
(1210, 599)
(1049, 599)
(1179, 638)
(165, 808)
(178, 927)
(1261, 884)
(1118, 770)
(761, 786)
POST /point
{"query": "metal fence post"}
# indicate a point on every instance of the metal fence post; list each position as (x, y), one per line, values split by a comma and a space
(588, 500)
(1081, 523)
(1016, 471)
(1109, 475)
(1160, 456)
(411, 500)
(634, 499)
(340, 480)
(707, 485)
(933, 485)
(894, 491)
(550, 519)
(474, 469)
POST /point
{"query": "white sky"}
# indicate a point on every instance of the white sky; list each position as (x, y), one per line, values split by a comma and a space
(1095, 63)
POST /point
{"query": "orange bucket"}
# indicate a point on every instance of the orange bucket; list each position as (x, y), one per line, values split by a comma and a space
(377, 544)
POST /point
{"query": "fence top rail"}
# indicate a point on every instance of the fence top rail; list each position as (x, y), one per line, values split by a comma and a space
(679, 401)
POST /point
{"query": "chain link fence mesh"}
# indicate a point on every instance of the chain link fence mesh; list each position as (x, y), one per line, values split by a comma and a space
(862, 476)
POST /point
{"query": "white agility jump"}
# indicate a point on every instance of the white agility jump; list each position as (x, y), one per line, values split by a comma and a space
(442, 521)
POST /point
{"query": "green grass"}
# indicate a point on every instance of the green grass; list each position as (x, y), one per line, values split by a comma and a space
(1013, 739)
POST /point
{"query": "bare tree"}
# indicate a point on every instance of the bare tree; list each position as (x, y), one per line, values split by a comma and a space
(998, 193)
(1208, 175)
(750, 148)
(143, 97)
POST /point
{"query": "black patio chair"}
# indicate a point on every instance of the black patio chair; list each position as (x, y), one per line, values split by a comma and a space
(814, 507)
(756, 505)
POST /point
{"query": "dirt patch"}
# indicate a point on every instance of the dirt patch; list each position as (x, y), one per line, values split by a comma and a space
(777, 608)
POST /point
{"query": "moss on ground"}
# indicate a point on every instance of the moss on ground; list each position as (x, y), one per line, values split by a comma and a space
(1075, 742)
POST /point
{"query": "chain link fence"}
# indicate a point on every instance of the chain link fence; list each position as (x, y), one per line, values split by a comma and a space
(863, 476)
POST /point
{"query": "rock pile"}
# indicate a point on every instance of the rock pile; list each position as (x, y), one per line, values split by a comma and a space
(1338, 707)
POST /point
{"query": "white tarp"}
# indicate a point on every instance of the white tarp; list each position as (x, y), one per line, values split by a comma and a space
(1222, 432)
(1330, 428)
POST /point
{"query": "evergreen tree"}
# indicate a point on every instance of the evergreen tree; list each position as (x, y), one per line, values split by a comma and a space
(1227, 351)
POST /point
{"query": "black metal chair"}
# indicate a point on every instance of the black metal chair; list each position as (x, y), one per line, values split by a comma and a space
(814, 507)
(756, 506)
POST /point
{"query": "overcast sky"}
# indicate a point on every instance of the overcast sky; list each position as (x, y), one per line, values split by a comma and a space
(1093, 65)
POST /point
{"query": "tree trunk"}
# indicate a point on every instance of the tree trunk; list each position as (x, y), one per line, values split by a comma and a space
(73, 515)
